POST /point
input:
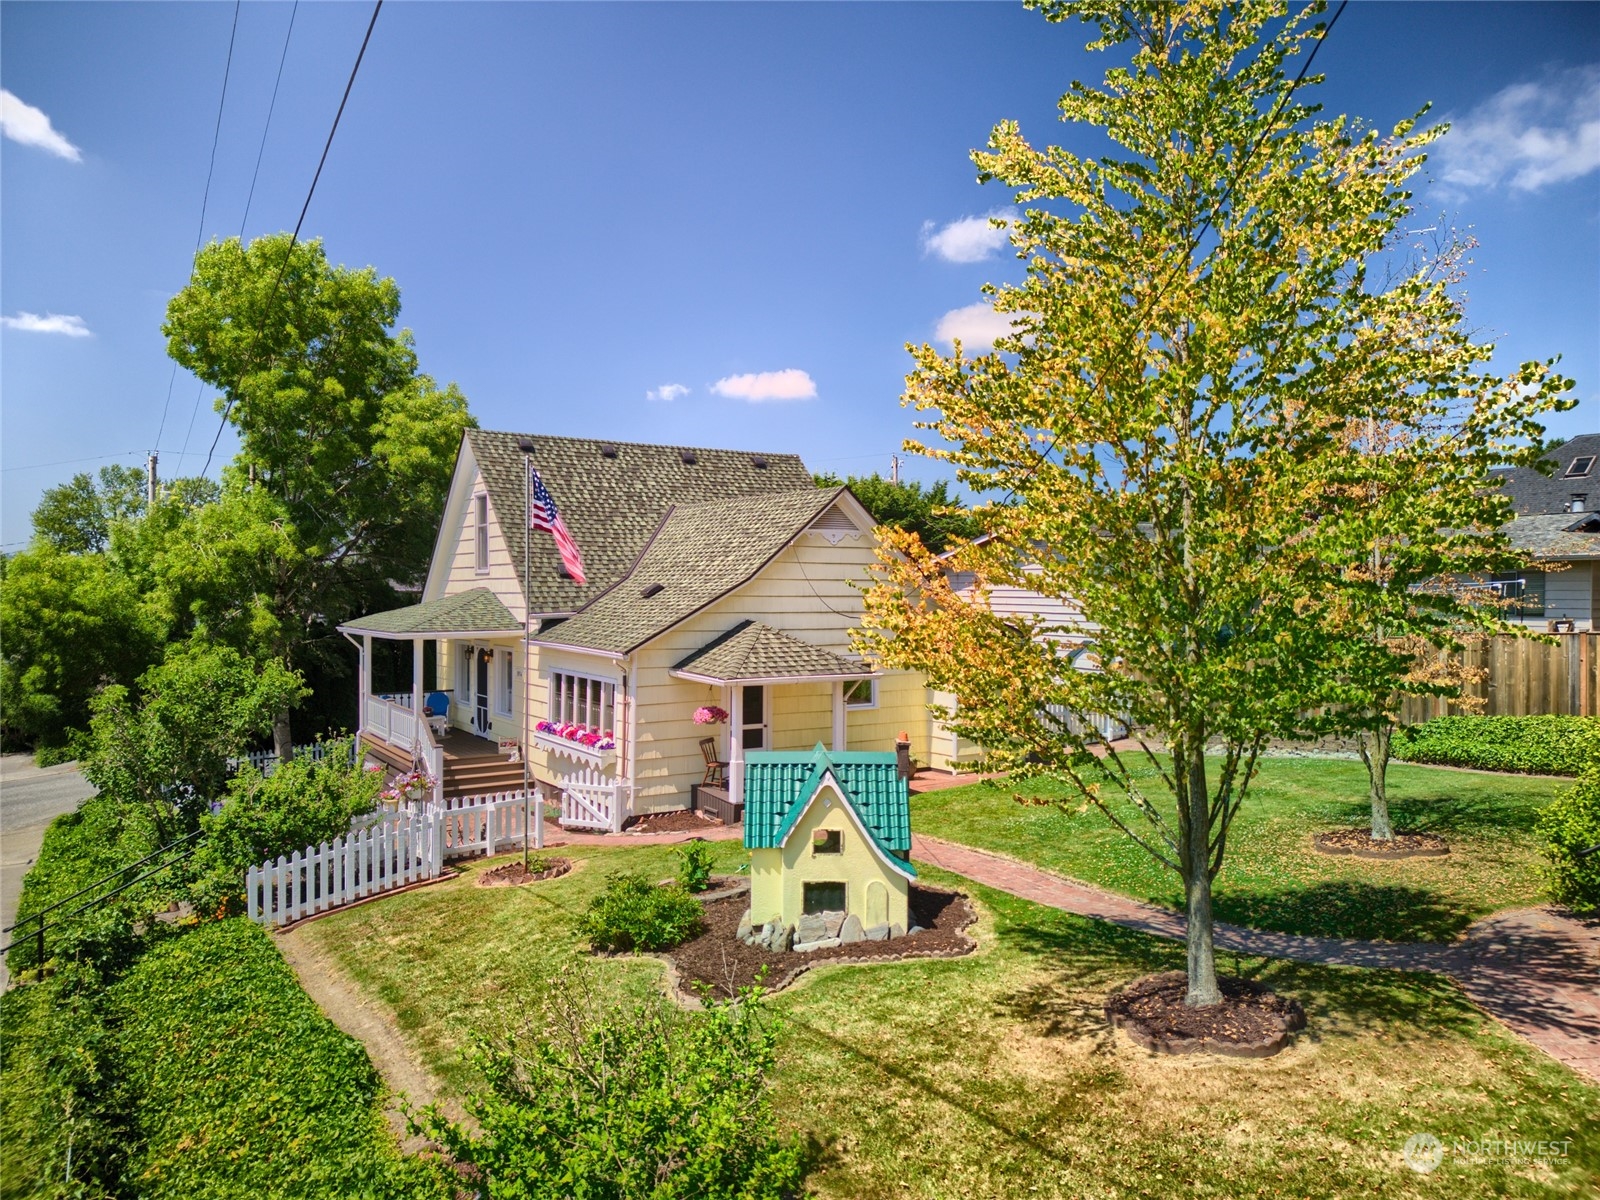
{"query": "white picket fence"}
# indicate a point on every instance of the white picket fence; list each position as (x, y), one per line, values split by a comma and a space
(474, 824)
(590, 800)
(266, 761)
(1110, 728)
(387, 854)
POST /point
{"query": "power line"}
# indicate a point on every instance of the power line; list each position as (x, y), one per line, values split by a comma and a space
(67, 462)
(1216, 211)
(295, 236)
(205, 197)
(244, 221)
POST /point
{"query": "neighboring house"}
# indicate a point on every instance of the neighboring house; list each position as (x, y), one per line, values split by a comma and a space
(1558, 527)
(715, 578)
(829, 835)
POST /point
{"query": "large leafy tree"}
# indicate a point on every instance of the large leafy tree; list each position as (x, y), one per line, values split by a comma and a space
(77, 516)
(1196, 336)
(929, 511)
(345, 452)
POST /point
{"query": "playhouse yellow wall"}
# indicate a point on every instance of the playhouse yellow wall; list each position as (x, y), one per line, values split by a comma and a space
(778, 876)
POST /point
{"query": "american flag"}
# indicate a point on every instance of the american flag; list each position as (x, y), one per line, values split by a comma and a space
(542, 514)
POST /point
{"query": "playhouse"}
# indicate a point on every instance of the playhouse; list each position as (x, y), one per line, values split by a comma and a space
(829, 835)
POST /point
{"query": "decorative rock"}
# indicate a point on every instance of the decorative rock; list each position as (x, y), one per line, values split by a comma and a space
(896, 931)
(820, 944)
(785, 940)
(915, 929)
(813, 927)
(835, 922)
(851, 930)
(743, 933)
(876, 933)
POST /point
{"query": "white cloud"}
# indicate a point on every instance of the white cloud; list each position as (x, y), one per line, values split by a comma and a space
(667, 391)
(977, 325)
(1527, 136)
(791, 384)
(26, 124)
(29, 322)
(969, 240)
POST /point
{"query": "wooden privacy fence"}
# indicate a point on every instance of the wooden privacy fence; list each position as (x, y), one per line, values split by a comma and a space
(387, 854)
(1525, 678)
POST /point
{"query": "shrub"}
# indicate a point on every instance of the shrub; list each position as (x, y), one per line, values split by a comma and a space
(1570, 826)
(1544, 745)
(634, 914)
(612, 1102)
(694, 865)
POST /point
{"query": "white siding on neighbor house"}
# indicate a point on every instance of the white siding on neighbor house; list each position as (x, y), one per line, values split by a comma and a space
(1010, 600)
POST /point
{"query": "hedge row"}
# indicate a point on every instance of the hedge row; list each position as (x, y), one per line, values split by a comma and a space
(1542, 745)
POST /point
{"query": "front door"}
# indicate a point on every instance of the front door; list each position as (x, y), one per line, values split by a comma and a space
(754, 734)
(480, 709)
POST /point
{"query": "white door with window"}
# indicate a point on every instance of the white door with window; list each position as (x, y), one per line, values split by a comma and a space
(753, 731)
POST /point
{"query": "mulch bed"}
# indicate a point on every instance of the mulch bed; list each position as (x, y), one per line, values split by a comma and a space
(1251, 1021)
(720, 960)
(678, 821)
(512, 874)
(1360, 843)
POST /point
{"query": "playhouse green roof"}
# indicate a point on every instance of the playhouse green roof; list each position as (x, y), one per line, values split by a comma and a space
(777, 785)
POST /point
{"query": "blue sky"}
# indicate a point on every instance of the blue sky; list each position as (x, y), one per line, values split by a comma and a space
(588, 204)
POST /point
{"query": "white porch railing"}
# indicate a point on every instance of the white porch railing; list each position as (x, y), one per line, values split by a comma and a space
(394, 722)
(387, 854)
(590, 800)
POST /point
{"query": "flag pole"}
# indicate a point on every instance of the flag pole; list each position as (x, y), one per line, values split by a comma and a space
(527, 622)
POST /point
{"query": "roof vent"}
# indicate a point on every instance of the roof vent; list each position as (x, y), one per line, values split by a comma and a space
(758, 461)
(652, 589)
(525, 444)
(835, 525)
(561, 570)
(1580, 502)
(689, 457)
(608, 449)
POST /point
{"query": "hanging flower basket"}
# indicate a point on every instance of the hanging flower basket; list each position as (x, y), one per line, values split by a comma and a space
(710, 714)
(408, 789)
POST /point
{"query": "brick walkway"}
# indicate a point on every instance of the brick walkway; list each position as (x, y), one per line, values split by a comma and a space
(1536, 972)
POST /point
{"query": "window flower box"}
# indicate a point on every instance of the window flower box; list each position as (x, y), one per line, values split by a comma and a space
(579, 743)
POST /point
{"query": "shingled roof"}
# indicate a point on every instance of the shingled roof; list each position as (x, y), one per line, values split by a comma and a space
(777, 785)
(1557, 536)
(613, 496)
(753, 651)
(1533, 493)
(475, 611)
(697, 554)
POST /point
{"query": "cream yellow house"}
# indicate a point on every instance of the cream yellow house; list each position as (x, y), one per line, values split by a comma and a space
(828, 833)
(715, 578)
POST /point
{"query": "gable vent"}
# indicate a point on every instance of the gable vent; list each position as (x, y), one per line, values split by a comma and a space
(608, 450)
(758, 461)
(652, 589)
(689, 457)
(835, 525)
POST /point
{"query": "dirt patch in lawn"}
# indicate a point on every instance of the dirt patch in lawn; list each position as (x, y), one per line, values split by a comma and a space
(719, 960)
(1361, 844)
(1251, 1021)
(514, 874)
(679, 821)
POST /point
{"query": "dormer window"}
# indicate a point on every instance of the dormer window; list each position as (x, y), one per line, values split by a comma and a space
(480, 531)
(1579, 467)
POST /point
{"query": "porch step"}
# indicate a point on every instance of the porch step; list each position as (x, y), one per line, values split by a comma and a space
(379, 750)
(470, 777)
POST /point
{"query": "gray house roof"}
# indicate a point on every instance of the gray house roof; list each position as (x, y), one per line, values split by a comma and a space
(1557, 536)
(1532, 493)
(697, 554)
(613, 496)
(475, 611)
(754, 651)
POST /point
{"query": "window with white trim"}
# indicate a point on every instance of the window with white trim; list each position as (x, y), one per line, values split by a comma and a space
(480, 533)
(583, 700)
(861, 693)
(504, 683)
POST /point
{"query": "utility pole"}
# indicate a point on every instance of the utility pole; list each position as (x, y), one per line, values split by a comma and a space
(150, 479)
(894, 469)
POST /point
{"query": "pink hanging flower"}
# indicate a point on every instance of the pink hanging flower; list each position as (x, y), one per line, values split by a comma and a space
(710, 714)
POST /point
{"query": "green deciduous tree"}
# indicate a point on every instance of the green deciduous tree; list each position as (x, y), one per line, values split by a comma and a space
(347, 446)
(77, 516)
(928, 512)
(1197, 335)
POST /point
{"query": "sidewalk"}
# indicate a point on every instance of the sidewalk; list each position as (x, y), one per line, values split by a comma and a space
(1535, 971)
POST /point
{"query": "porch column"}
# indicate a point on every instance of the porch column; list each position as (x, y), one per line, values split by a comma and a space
(416, 684)
(365, 688)
(840, 738)
(736, 745)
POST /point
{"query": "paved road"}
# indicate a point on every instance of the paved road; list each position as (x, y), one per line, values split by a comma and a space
(30, 798)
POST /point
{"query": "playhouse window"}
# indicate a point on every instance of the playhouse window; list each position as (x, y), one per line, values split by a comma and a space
(827, 841)
(823, 897)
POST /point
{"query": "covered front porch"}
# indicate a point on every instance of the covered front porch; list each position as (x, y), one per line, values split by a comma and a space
(757, 667)
(446, 732)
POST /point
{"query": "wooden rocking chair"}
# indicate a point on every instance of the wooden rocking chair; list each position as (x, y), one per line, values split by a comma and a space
(716, 770)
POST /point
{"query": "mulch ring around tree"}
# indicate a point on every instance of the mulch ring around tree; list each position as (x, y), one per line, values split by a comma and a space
(677, 821)
(1251, 1021)
(513, 874)
(1361, 844)
(718, 959)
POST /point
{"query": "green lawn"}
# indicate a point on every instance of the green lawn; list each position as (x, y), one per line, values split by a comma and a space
(1272, 878)
(996, 1076)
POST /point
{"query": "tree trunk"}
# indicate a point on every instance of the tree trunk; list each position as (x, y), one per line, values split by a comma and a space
(1195, 859)
(282, 737)
(1375, 753)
